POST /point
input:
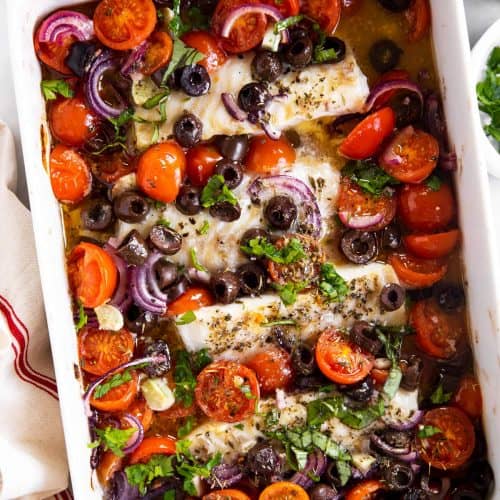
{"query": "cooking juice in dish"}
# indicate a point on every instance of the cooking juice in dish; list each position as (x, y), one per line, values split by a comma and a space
(263, 250)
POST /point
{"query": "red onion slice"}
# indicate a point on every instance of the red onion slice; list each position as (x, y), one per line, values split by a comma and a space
(151, 281)
(410, 423)
(389, 157)
(271, 131)
(142, 296)
(63, 23)
(121, 298)
(232, 107)
(390, 86)
(137, 437)
(136, 56)
(380, 444)
(359, 221)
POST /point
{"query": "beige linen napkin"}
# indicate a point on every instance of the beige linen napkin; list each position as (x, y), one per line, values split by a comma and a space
(32, 454)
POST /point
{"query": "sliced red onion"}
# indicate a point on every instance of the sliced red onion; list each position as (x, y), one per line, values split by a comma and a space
(121, 298)
(390, 86)
(152, 283)
(225, 475)
(380, 444)
(142, 296)
(316, 465)
(137, 437)
(410, 423)
(135, 57)
(232, 107)
(435, 492)
(271, 131)
(63, 23)
(308, 220)
(390, 157)
(409, 457)
(359, 221)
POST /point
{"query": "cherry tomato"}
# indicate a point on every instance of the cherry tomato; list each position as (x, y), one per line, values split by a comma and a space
(227, 391)
(468, 396)
(438, 333)
(158, 53)
(287, 7)
(368, 135)
(417, 273)
(341, 361)
(411, 155)
(160, 171)
(70, 175)
(155, 445)
(354, 202)
(208, 45)
(365, 490)
(273, 368)
(453, 446)
(418, 16)
(103, 350)
(140, 410)
(71, 121)
(248, 31)
(423, 209)
(395, 74)
(432, 246)
(192, 299)
(284, 490)
(327, 14)
(118, 398)
(226, 495)
(201, 160)
(124, 24)
(379, 376)
(267, 156)
(108, 168)
(54, 55)
(108, 465)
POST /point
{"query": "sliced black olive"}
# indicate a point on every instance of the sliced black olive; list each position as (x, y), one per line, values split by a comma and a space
(80, 57)
(407, 108)
(283, 337)
(391, 237)
(194, 80)
(363, 334)
(253, 97)
(412, 371)
(188, 200)
(225, 286)
(303, 360)
(139, 321)
(97, 215)
(252, 234)
(298, 53)
(188, 130)
(280, 212)
(323, 492)
(131, 206)
(252, 278)
(232, 147)
(392, 296)
(338, 45)
(395, 5)
(264, 461)
(266, 65)
(134, 249)
(232, 171)
(385, 55)
(225, 211)
(465, 492)
(398, 477)
(166, 273)
(293, 137)
(361, 391)
(449, 297)
(359, 246)
(155, 348)
(165, 239)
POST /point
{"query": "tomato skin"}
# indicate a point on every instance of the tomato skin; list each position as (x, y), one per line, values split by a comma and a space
(109, 168)
(54, 55)
(468, 397)
(108, 465)
(284, 490)
(178, 410)
(158, 53)
(395, 74)
(379, 376)
(350, 7)
(140, 409)
(226, 495)
(155, 445)
(194, 298)
(207, 44)
(424, 210)
(367, 136)
(327, 14)
(266, 156)
(273, 368)
(160, 171)
(364, 490)
(201, 160)
(286, 7)
(432, 246)
(418, 16)
(415, 272)
(119, 398)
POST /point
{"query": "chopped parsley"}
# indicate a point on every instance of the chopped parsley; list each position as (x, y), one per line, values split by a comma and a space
(287, 23)
(203, 228)
(433, 183)
(332, 286)
(182, 55)
(425, 431)
(51, 88)
(82, 317)
(114, 439)
(163, 222)
(142, 475)
(288, 293)
(292, 252)
(186, 318)
(200, 359)
(185, 381)
(115, 381)
(368, 176)
(185, 429)
(216, 191)
(439, 396)
(247, 391)
(280, 322)
(176, 25)
(196, 262)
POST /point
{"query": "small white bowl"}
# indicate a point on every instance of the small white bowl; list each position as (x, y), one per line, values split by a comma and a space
(480, 54)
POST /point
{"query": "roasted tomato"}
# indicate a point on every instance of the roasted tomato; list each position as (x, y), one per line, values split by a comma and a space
(365, 490)
(432, 246)
(418, 273)
(154, 445)
(118, 398)
(468, 396)
(268, 156)
(284, 490)
(273, 368)
(201, 160)
(158, 52)
(226, 495)
(208, 45)
(327, 14)
(192, 299)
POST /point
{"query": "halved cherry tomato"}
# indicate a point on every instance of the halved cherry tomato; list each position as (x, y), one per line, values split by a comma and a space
(341, 361)
(453, 446)
(395, 74)
(248, 31)
(468, 396)
(108, 465)
(267, 156)
(432, 246)
(415, 272)
(70, 176)
(354, 202)
(118, 398)
(201, 160)
(141, 410)
(160, 171)
(327, 14)
(438, 333)
(71, 121)
(155, 445)
(102, 350)
(418, 16)
(226, 495)
(368, 135)
(208, 45)
(54, 55)
(410, 156)
(423, 209)
(108, 168)
(192, 299)
(365, 490)
(227, 391)
(379, 376)
(92, 274)
(284, 490)
(124, 24)
(158, 53)
(287, 7)
(273, 368)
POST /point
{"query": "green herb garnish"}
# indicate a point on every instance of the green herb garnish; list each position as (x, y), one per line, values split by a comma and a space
(425, 431)
(203, 228)
(287, 23)
(163, 222)
(115, 381)
(160, 98)
(185, 429)
(82, 317)
(433, 183)
(182, 55)
(439, 396)
(216, 191)
(369, 176)
(114, 439)
(185, 381)
(288, 293)
(280, 322)
(51, 88)
(196, 262)
(142, 475)
(186, 318)
(200, 359)
(332, 286)
(292, 252)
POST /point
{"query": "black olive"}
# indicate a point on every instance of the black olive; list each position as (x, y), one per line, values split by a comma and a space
(225, 286)
(232, 171)
(395, 5)
(392, 297)
(293, 137)
(173, 80)
(188, 200)
(97, 215)
(323, 492)
(266, 65)
(363, 334)
(155, 348)
(252, 278)
(188, 130)
(412, 371)
(225, 211)
(280, 212)
(165, 239)
(133, 249)
(131, 206)
(449, 297)
(398, 477)
(253, 97)
(283, 337)
(194, 80)
(314, 381)
(415, 494)
(139, 321)
(396, 439)
(385, 55)
(338, 45)
(465, 492)
(480, 476)
(303, 360)
(298, 53)
(80, 57)
(252, 234)
(166, 273)
(232, 147)
(407, 108)
(263, 461)
(361, 391)
(101, 140)
(177, 289)
(359, 246)
(391, 237)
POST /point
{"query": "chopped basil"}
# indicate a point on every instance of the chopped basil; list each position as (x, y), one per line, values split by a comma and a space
(240, 427)
(369, 176)
(216, 191)
(425, 431)
(82, 317)
(51, 88)
(247, 392)
(204, 228)
(439, 396)
(392, 343)
(292, 252)
(163, 222)
(434, 183)
(185, 381)
(280, 322)
(169, 495)
(332, 285)
(196, 262)
(186, 318)
(114, 439)
(182, 55)
(160, 98)
(287, 23)
(124, 117)
(185, 429)
(142, 475)
(344, 470)
(288, 293)
(200, 359)
(115, 381)
(322, 55)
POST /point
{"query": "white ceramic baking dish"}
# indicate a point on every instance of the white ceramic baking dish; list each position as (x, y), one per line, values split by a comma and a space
(452, 55)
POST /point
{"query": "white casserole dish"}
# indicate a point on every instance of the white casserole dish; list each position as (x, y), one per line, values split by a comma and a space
(453, 62)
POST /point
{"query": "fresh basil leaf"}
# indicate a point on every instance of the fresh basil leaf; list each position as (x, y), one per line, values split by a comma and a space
(434, 183)
(292, 252)
(196, 262)
(287, 23)
(182, 55)
(115, 381)
(332, 286)
(185, 429)
(344, 470)
(439, 396)
(288, 293)
(176, 25)
(82, 317)
(51, 88)
(425, 431)
(114, 439)
(369, 176)
(186, 318)
(216, 191)
(160, 98)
